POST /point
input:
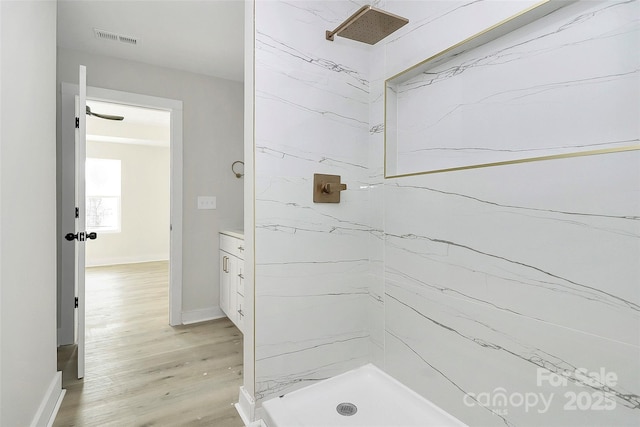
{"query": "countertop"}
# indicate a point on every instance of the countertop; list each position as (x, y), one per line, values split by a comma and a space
(239, 234)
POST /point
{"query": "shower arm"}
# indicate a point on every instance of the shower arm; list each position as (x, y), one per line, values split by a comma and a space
(329, 35)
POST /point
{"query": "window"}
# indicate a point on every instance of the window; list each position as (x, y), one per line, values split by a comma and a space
(103, 195)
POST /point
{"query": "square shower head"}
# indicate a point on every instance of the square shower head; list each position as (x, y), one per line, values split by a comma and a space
(368, 25)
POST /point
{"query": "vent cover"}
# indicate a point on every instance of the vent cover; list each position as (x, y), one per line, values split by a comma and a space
(128, 39)
(115, 37)
(102, 34)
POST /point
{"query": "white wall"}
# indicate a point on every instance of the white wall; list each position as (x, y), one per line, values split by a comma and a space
(212, 140)
(144, 234)
(29, 383)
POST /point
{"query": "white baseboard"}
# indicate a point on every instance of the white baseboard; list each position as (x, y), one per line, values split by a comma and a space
(137, 259)
(57, 408)
(50, 404)
(246, 406)
(201, 315)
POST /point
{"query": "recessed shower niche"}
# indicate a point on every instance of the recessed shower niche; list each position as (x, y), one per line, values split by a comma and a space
(531, 87)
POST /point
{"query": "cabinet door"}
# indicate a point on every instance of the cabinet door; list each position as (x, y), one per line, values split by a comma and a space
(240, 323)
(233, 286)
(225, 282)
(240, 276)
(239, 280)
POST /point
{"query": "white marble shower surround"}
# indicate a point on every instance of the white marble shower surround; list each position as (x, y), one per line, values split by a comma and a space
(466, 285)
(512, 284)
(497, 279)
(312, 262)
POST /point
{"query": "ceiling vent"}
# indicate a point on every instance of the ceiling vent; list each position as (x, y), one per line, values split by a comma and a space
(115, 37)
(128, 39)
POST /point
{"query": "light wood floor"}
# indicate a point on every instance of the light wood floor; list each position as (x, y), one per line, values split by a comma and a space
(139, 370)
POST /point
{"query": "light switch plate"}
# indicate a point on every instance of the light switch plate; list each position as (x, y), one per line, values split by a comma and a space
(206, 202)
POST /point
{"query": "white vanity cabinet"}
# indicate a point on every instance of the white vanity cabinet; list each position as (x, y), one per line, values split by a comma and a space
(232, 276)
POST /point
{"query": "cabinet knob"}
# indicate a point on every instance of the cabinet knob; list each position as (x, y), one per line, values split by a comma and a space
(240, 248)
(240, 312)
(241, 276)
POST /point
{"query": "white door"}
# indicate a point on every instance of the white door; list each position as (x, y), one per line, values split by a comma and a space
(79, 235)
(73, 220)
(81, 159)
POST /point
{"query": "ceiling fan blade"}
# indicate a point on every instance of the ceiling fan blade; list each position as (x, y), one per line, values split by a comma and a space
(107, 116)
(103, 116)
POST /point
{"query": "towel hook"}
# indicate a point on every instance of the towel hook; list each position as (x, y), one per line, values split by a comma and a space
(238, 174)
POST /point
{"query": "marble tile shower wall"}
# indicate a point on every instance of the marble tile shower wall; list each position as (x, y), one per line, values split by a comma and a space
(485, 290)
(312, 263)
(504, 286)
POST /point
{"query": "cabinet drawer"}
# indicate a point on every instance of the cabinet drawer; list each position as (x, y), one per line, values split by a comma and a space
(232, 245)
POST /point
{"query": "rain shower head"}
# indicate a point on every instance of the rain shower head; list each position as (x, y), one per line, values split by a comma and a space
(368, 25)
(103, 116)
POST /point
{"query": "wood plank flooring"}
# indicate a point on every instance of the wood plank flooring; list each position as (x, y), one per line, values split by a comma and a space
(139, 370)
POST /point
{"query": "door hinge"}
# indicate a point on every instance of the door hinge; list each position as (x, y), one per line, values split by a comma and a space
(76, 302)
(77, 212)
(77, 122)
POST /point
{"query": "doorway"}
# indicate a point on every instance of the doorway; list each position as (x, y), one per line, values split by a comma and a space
(127, 184)
(66, 332)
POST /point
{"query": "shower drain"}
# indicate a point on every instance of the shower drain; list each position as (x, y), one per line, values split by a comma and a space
(347, 409)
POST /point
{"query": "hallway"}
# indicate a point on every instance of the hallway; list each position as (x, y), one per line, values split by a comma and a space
(139, 370)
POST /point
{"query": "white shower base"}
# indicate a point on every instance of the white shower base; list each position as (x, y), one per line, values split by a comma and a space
(380, 400)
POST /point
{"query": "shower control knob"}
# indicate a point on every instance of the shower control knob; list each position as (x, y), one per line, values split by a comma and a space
(327, 188)
(330, 188)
